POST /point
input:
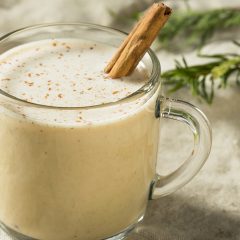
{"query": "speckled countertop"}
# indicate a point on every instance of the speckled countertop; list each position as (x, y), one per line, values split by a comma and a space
(208, 208)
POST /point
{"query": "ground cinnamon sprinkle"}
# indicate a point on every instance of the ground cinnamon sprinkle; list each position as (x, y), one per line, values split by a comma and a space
(64, 87)
(30, 84)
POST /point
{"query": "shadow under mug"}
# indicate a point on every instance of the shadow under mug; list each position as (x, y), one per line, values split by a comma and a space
(63, 181)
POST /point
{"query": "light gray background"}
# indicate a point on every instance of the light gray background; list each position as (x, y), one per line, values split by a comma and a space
(208, 208)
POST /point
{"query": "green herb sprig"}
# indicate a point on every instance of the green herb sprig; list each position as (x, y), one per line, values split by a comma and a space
(194, 28)
(201, 78)
(197, 27)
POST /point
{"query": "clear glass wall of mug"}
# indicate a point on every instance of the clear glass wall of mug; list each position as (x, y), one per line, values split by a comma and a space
(60, 180)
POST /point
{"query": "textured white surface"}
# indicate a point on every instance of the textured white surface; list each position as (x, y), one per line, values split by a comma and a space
(208, 208)
(4, 236)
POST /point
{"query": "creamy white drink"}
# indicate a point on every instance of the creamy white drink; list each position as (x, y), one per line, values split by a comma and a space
(80, 173)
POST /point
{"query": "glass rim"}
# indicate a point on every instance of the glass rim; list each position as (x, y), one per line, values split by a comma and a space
(151, 84)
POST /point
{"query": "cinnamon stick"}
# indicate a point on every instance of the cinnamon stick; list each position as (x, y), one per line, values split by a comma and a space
(138, 41)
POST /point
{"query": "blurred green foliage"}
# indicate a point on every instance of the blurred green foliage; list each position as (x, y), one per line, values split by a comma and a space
(201, 78)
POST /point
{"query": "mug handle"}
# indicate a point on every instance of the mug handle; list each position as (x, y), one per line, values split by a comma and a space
(202, 135)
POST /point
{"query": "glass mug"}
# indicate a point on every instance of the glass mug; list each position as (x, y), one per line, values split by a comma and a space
(60, 180)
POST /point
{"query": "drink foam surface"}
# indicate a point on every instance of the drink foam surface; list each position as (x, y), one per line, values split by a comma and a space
(65, 73)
